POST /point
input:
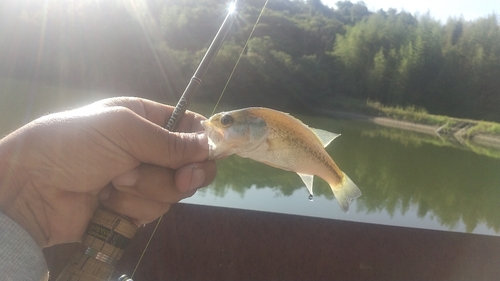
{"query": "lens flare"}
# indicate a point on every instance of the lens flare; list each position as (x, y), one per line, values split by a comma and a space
(232, 7)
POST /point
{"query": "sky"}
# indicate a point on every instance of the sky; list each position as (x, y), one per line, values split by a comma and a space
(439, 9)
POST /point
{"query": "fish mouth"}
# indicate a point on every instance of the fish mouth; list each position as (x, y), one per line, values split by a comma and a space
(214, 135)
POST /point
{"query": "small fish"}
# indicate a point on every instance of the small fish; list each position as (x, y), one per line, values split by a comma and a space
(277, 139)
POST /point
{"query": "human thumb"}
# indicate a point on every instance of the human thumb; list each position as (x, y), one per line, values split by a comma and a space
(184, 148)
(152, 144)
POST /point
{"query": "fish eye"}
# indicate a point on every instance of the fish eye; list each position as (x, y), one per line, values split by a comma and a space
(226, 120)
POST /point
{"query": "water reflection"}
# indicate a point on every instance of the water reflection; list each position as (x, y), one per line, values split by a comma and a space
(416, 184)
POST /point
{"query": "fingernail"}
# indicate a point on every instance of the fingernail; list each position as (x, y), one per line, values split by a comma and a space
(203, 140)
(197, 178)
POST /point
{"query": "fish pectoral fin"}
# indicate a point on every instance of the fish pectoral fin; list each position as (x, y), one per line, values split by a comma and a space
(324, 136)
(308, 181)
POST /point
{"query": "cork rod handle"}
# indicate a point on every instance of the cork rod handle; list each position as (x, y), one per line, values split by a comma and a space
(103, 244)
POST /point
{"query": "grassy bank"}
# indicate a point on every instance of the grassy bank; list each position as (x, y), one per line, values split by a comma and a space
(414, 115)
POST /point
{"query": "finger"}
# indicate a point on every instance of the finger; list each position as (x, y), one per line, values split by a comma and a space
(151, 182)
(157, 113)
(138, 209)
(190, 122)
(148, 142)
(194, 176)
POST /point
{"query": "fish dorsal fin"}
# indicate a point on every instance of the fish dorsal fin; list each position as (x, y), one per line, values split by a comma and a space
(324, 136)
(308, 181)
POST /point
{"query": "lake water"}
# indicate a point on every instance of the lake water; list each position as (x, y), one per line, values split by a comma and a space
(407, 179)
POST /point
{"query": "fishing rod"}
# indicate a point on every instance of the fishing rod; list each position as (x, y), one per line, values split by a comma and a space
(212, 51)
(108, 234)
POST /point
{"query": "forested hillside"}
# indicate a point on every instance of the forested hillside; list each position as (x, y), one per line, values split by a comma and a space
(302, 53)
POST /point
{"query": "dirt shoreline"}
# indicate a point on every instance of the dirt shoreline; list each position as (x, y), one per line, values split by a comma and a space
(490, 141)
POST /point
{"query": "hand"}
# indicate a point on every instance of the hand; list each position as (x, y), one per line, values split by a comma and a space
(55, 170)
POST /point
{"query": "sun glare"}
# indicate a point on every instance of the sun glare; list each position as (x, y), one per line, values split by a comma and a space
(231, 7)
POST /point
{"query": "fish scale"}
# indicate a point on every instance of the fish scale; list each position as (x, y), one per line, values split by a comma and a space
(310, 151)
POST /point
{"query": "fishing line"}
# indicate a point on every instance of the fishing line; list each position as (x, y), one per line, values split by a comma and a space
(239, 58)
(146, 247)
(232, 72)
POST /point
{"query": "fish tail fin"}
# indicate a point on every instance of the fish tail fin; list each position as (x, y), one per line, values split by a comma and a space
(345, 193)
